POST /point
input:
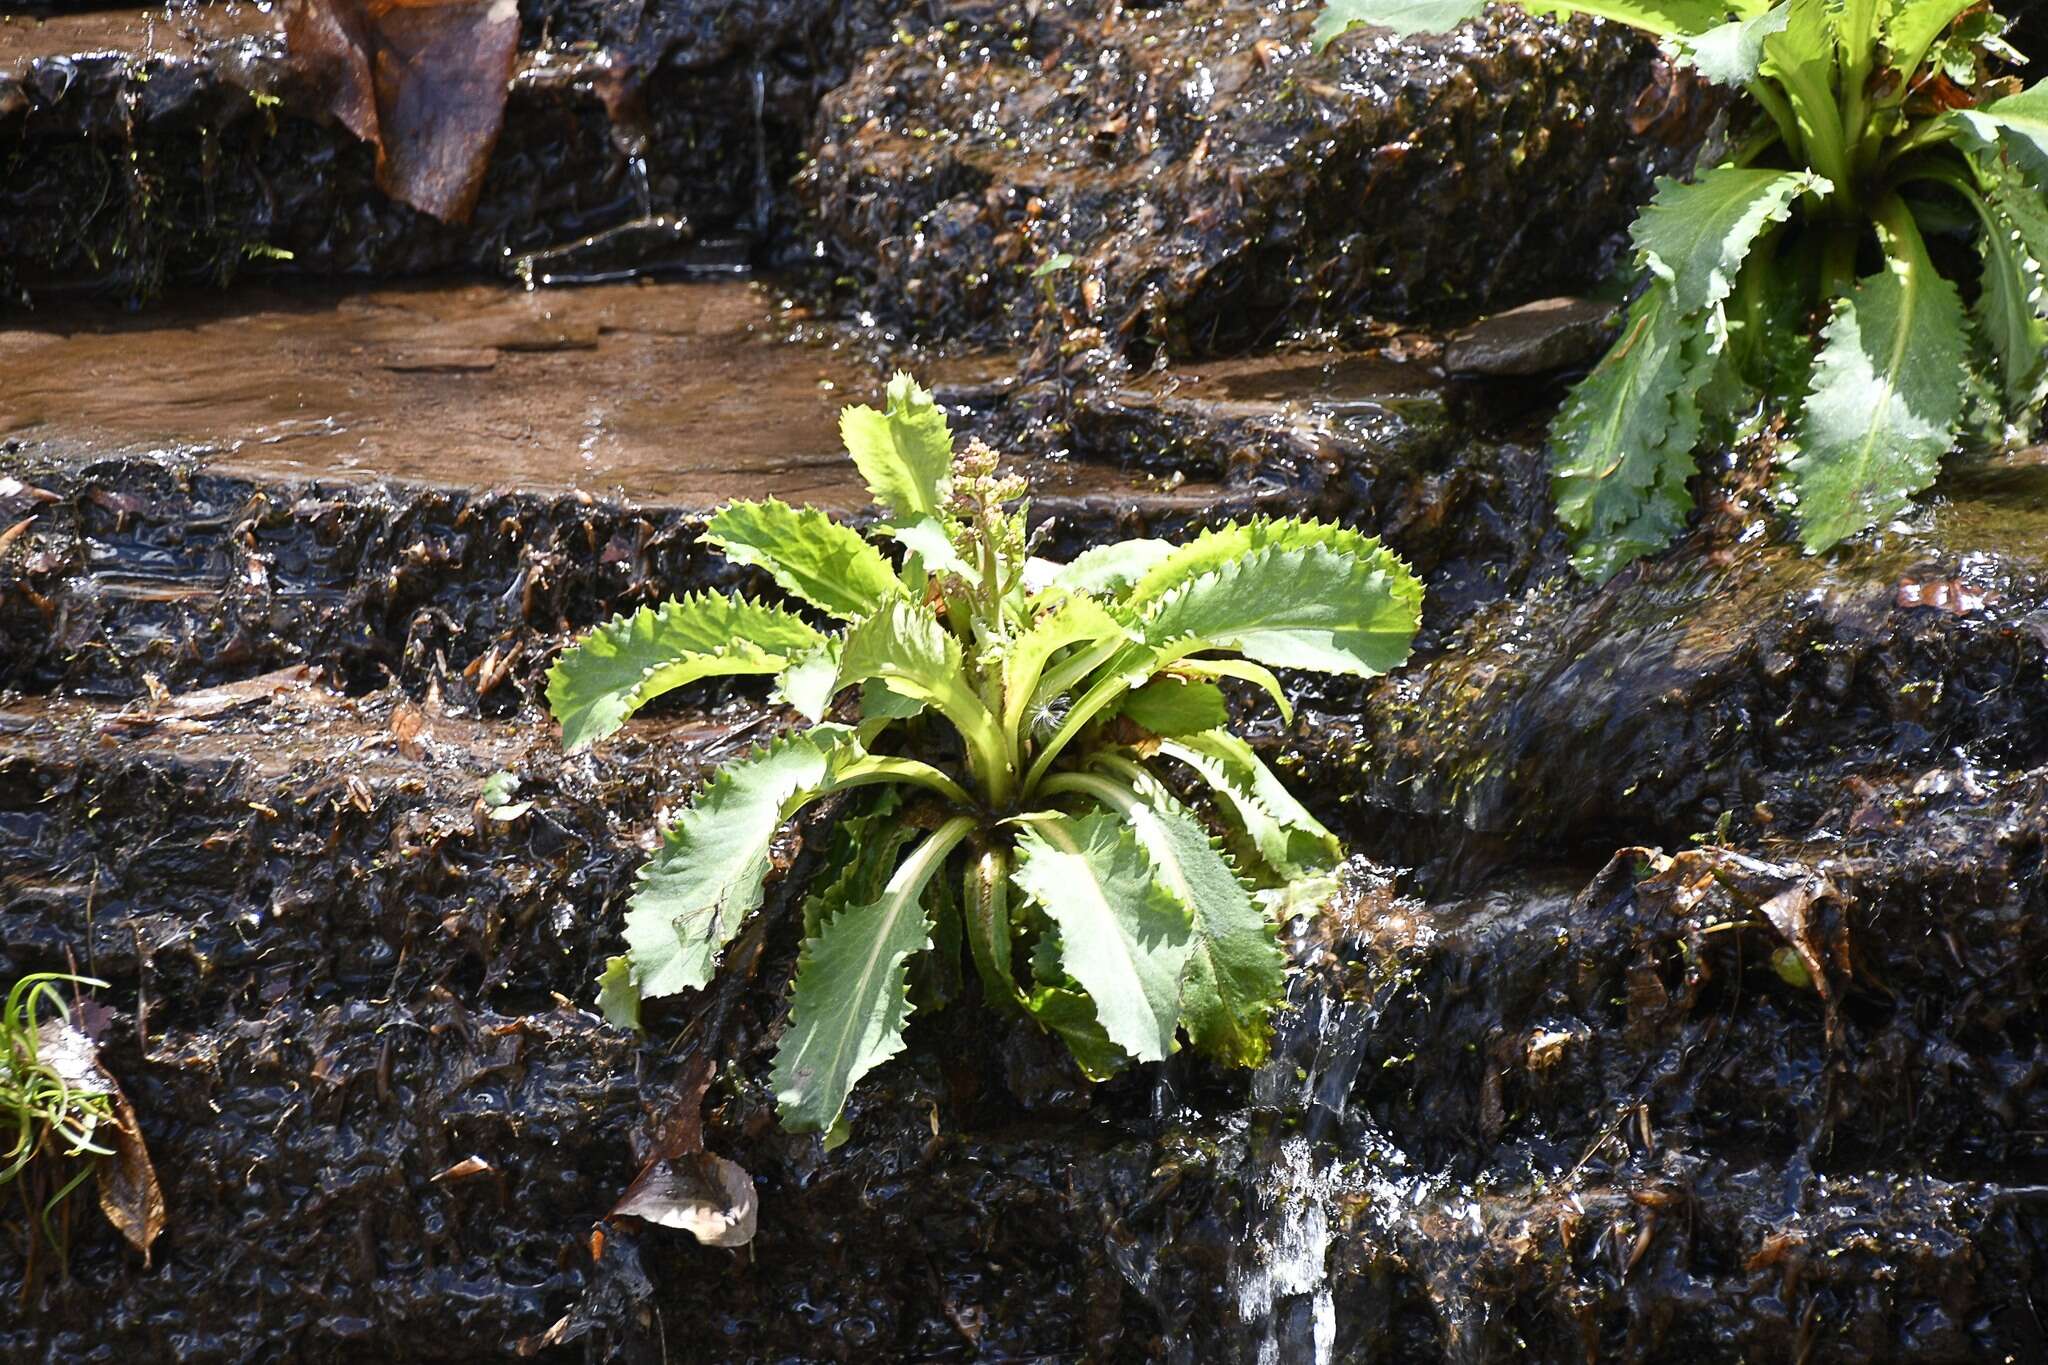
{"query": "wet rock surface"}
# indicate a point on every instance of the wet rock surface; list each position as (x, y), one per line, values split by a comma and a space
(1196, 180)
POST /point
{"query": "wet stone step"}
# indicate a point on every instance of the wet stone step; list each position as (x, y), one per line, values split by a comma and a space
(330, 976)
(148, 148)
(1731, 689)
(366, 481)
(1202, 182)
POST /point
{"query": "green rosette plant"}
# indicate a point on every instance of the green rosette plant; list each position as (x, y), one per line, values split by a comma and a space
(1002, 732)
(1866, 257)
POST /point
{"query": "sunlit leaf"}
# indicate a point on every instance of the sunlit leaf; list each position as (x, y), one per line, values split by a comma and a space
(1123, 936)
(1887, 396)
(1405, 17)
(627, 662)
(1289, 839)
(1235, 972)
(1730, 54)
(808, 554)
(852, 993)
(618, 996)
(1346, 613)
(904, 452)
(1107, 570)
(1072, 621)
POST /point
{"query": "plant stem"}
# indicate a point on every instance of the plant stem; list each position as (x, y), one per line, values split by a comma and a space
(986, 903)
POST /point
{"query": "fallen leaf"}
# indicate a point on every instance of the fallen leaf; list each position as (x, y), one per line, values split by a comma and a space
(422, 81)
(129, 1194)
(706, 1196)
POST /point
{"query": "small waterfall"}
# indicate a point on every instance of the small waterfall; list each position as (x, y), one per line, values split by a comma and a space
(764, 182)
(1286, 1296)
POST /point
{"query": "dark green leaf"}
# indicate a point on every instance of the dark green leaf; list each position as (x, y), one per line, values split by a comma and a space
(1695, 236)
(1173, 706)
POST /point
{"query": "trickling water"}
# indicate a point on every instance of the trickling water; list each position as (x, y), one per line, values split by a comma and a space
(1286, 1296)
(764, 183)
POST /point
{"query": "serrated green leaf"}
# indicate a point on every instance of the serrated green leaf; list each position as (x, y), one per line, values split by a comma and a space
(1073, 620)
(1353, 614)
(1245, 671)
(1887, 395)
(1289, 839)
(904, 452)
(1695, 236)
(1622, 443)
(1175, 706)
(811, 556)
(852, 995)
(1107, 570)
(865, 847)
(1236, 972)
(1730, 54)
(1225, 545)
(1405, 17)
(2008, 311)
(1070, 1015)
(1123, 937)
(708, 875)
(2021, 205)
(930, 540)
(618, 995)
(1913, 25)
(622, 665)
(1658, 18)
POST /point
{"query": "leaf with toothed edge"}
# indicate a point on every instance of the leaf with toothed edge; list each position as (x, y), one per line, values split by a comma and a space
(1124, 939)
(1310, 607)
(807, 553)
(852, 994)
(1289, 839)
(1886, 398)
(904, 452)
(709, 873)
(616, 669)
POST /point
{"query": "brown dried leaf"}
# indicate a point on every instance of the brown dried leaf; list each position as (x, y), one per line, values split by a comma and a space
(130, 1196)
(423, 81)
(706, 1196)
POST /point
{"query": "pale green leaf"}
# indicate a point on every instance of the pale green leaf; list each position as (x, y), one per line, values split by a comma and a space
(618, 996)
(1122, 935)
(709, 873)
(1290, 840)
(1622, 443)
(1227, 544)
(1236, 972)
(1174, 706)
(1072, 621)
(904, 646)
(1887, 395)
(808, 554)
(1912, 27)
(904, 452)
(1658, 18)
(1802, 59)
(1729, 54)
(1695, 236)
(1405, 17)
(627, 662)
(931, 542)
(1107, 570)
(1314, 608)
(852, 994)
(1245, 671)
